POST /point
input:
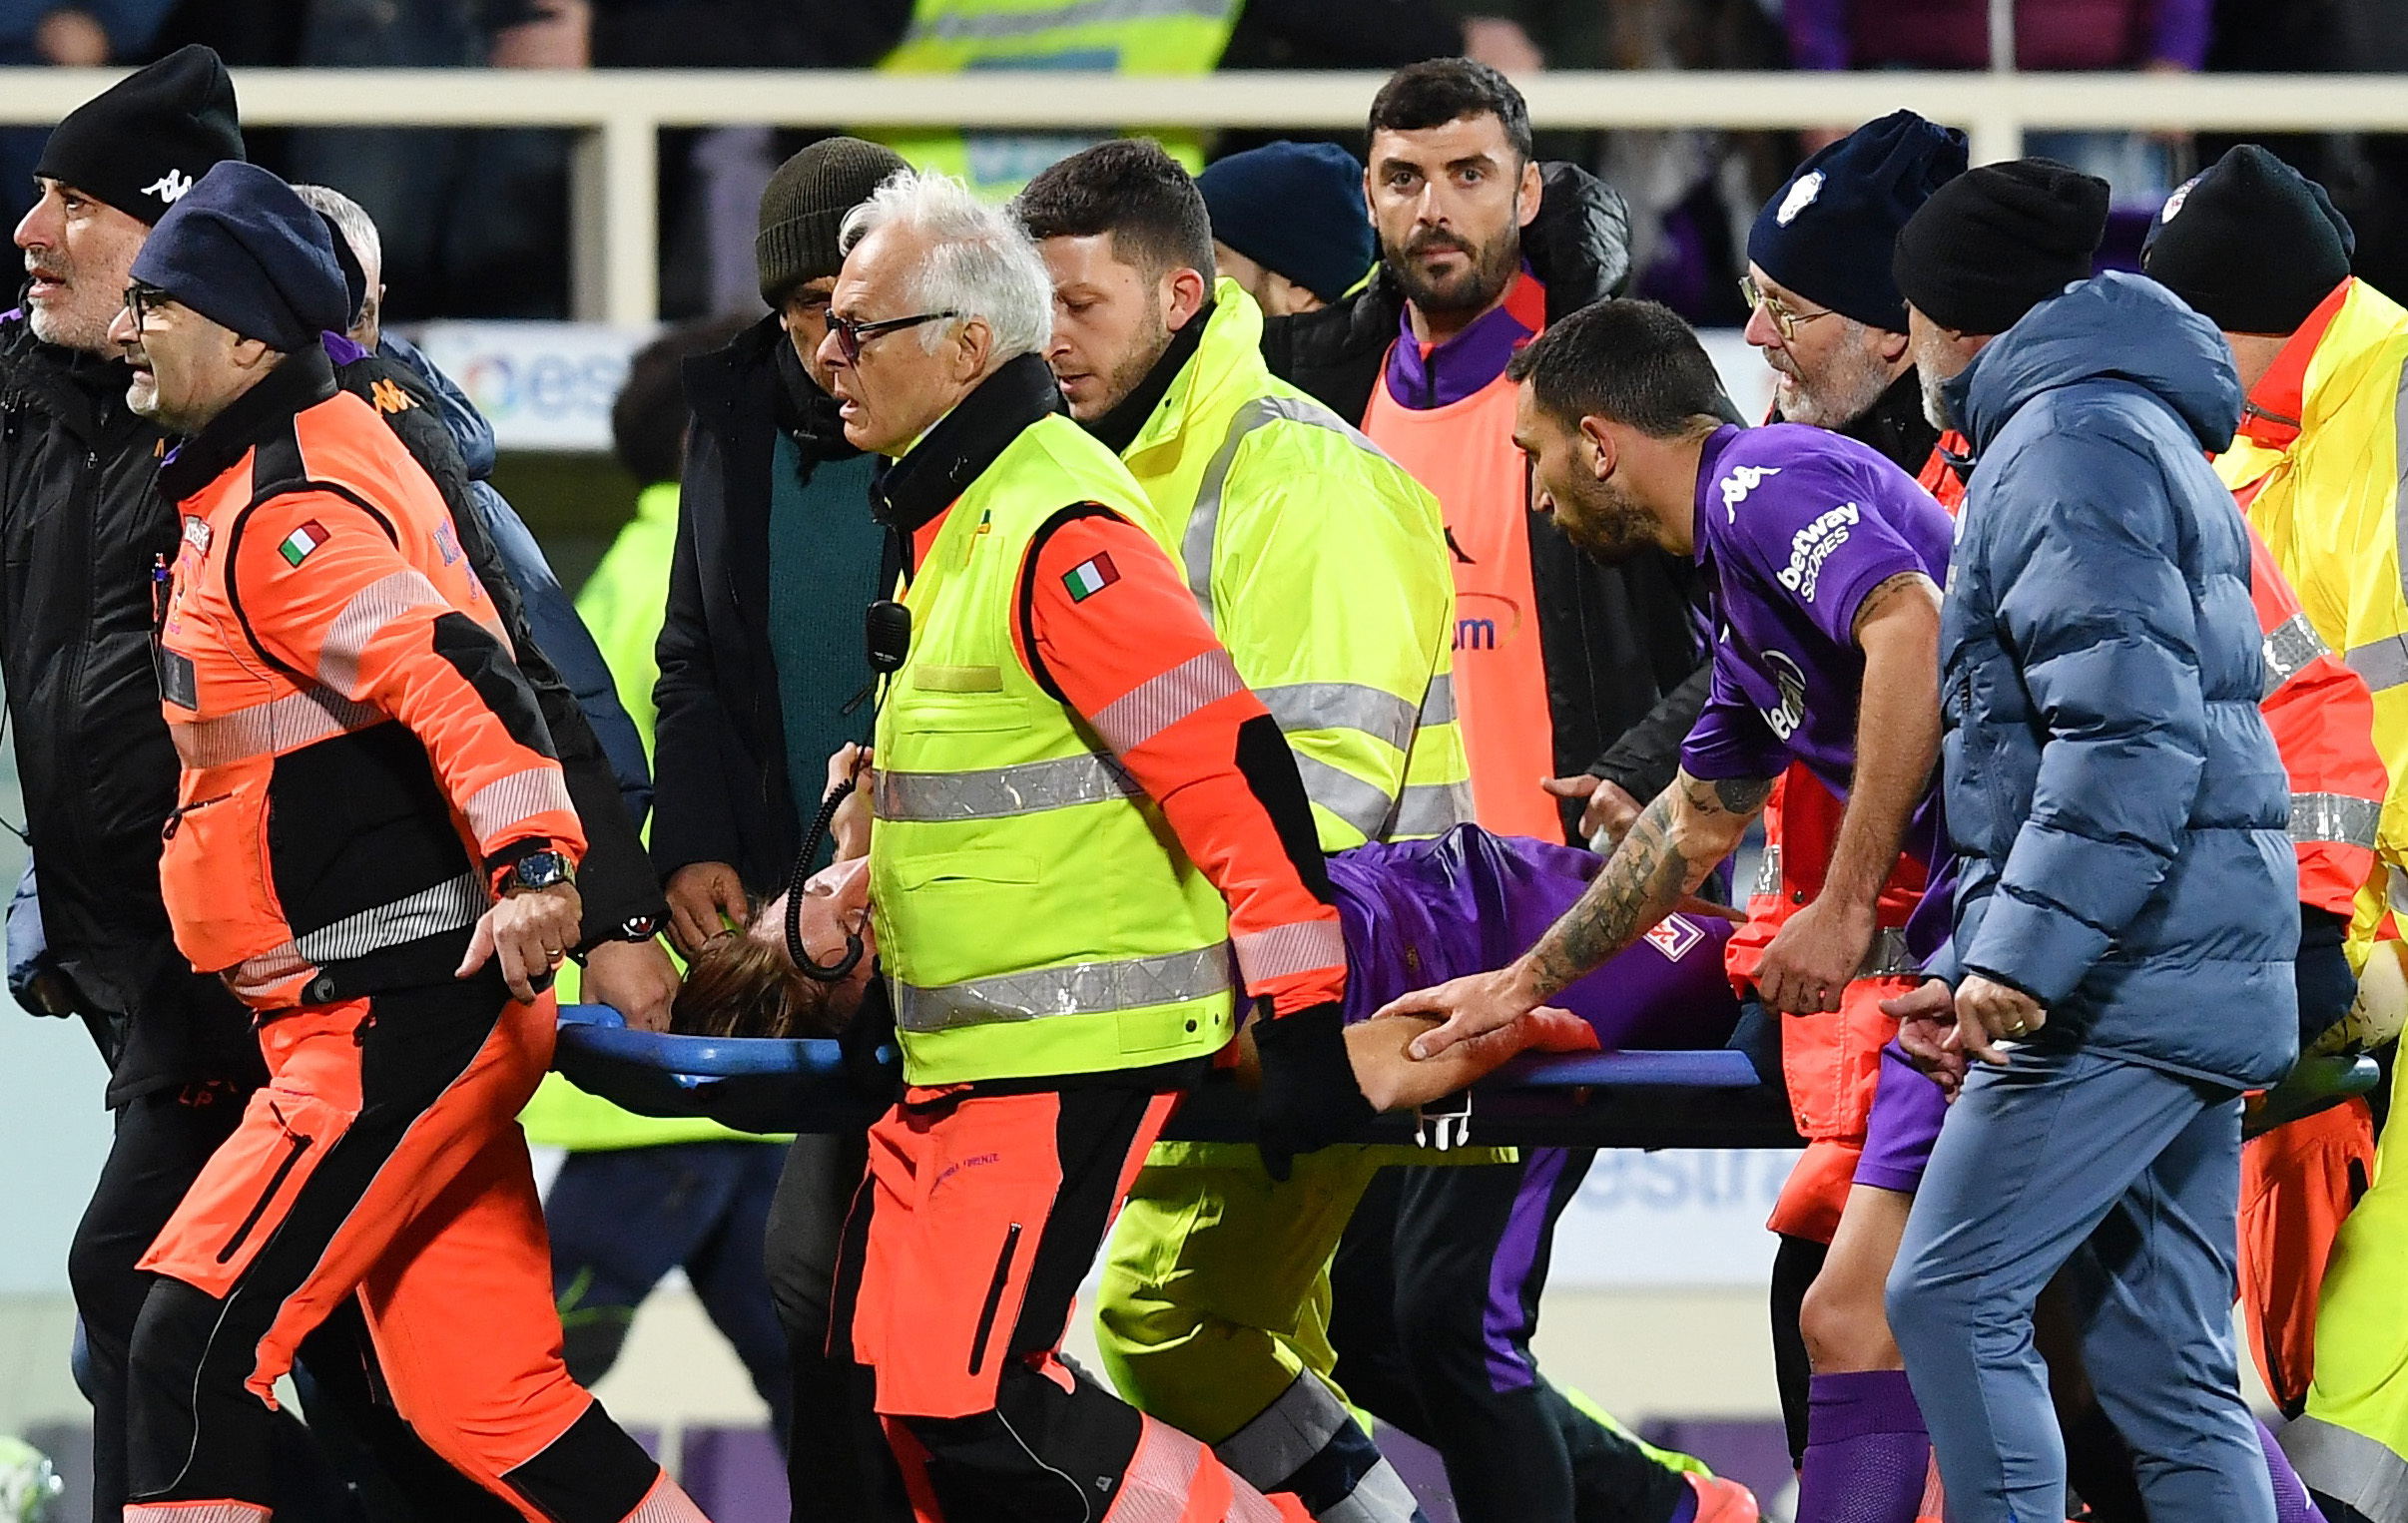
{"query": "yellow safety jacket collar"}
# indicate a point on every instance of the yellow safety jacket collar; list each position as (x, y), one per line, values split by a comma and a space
(959, 450)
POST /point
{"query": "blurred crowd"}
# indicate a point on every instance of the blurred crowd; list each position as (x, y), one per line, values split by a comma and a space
(1692, 192)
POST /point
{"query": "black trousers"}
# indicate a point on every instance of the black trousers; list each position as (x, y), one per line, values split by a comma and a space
(1437, 1287)
(358, 1459)
(834, 1473)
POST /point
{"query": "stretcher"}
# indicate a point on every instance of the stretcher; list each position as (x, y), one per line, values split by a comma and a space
(1699, 1099)
(1707, 1099)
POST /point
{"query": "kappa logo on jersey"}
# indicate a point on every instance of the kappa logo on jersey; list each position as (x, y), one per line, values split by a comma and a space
(1674, 936)
(1800, 197)
(1811, 546)
(1790, 678)
(1742, 480)
(389, 397)
(169, 188)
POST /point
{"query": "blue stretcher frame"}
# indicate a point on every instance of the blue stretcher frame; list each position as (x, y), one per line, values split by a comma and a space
(1700, 1099)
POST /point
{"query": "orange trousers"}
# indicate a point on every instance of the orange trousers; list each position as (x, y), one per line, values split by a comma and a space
(983, 1207)
(384, 1161)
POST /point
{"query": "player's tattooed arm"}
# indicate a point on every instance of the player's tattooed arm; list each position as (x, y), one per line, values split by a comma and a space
(1678, 839)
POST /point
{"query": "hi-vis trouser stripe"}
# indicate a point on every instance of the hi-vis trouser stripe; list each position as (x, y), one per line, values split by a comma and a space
(2348, 1466)
(1080, 988)
(1292, 1431)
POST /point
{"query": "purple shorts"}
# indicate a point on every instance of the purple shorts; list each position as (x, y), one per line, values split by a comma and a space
(1906, 1111)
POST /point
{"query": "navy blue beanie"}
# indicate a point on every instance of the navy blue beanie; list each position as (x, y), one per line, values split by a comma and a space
(241, 249)
(1828, 233)
(1295, 207)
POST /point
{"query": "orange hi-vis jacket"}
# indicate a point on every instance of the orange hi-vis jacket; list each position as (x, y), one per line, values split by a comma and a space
(362, 757)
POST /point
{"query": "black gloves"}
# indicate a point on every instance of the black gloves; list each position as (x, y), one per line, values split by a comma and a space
(1309, 1098)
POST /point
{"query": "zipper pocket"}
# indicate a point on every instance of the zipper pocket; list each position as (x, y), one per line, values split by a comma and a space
(176, 815)
(295, 1145)
(994, 1299)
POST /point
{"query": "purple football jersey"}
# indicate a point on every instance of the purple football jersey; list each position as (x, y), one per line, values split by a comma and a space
(1416, 913)
(1797, 525)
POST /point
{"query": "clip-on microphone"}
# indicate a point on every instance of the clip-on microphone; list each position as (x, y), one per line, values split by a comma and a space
(887, 631)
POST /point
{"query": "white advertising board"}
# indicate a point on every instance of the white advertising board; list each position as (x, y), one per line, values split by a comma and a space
(1682, 1216)
(542, 386)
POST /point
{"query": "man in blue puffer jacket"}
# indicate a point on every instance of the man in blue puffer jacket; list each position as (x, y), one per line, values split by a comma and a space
(2126, 912)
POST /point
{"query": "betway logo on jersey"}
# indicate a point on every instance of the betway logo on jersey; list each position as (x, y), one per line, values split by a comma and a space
(1811, 546)
(1742, 480)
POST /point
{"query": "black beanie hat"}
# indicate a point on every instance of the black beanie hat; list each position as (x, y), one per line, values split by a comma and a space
(1828, 233)
(2250, 243)
(142, 143)
(1997, 241)
(805, 205)
(247, 254)
(1296, 209)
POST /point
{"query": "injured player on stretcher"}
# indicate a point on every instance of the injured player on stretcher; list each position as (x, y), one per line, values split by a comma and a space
(1413, 913)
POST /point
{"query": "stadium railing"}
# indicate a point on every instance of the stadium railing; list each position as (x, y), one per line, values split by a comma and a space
(620, 113)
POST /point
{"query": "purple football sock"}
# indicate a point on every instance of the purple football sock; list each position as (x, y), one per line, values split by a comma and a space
(1867, 1453)
(2291, 1504)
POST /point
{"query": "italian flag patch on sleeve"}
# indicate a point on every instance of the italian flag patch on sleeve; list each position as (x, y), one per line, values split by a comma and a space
(297, 545)
(1090, 577)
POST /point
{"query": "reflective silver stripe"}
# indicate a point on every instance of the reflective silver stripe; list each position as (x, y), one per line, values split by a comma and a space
(1300, 947)
(1082, 988)
(451, 905)
(2336, 817)
(371, 607)
(2383, 663)
(1381, 1496)
(1291, 1430)
(1888, 957)
(1438, 705)
(505, 801)
(1360, 804)
(1204, 522)
(2289, 646)
(1768, 872)
(2348, 1466)
(997, 27)
(1432, 808)
(999, 792)
(264, 730)
(1158, 702)
(1384, 716)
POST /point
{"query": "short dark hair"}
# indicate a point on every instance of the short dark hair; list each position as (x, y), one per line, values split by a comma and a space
(1634, 362)
(1437, 91)
(1132, 189)
(648, 418)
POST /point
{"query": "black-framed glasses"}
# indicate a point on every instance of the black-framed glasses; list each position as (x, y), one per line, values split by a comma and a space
(1785, 321)
(851, 332)
(143, 298)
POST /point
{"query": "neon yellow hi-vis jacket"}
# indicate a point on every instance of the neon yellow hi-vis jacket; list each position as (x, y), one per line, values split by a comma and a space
(1151, 37)
(622, 604)
(1322, 565)
(2327, 505)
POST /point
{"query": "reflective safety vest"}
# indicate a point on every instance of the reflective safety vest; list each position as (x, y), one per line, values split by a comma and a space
(1036, 915)
(1154, 37)
(2321, 486)
(1322, 565)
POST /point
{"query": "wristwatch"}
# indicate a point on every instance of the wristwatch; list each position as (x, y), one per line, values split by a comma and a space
(535, 870)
